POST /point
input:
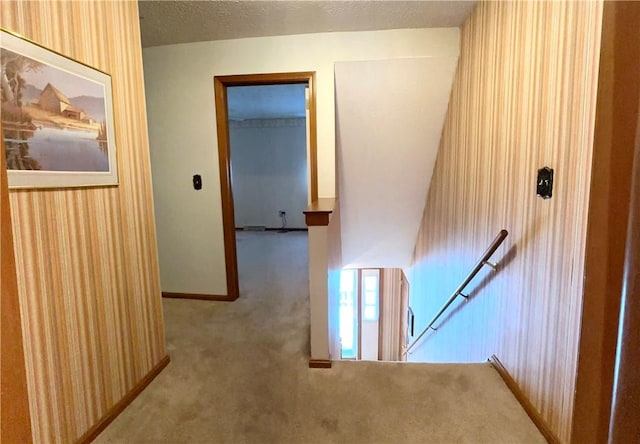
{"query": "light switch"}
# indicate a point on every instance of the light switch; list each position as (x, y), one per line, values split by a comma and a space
(544, 187)
(197, 182)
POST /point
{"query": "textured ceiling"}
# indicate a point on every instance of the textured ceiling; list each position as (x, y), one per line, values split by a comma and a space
(170, 22)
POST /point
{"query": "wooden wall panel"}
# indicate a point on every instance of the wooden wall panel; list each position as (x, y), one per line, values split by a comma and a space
(391, 314)
(86, 258)
(523, 98)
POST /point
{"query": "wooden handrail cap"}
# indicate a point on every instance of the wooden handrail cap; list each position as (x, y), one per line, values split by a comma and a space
(319, 212)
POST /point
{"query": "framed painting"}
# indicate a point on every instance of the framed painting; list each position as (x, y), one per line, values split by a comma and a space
(57, 118)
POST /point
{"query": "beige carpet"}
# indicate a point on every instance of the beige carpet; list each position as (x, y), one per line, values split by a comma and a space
(239, 375)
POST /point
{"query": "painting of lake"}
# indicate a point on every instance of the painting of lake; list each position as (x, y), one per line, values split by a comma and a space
(57, 118)
(55, 149)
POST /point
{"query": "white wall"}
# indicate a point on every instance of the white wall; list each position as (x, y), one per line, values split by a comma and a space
(390, 116)
(269, 171)
(182, 129)
(333, 285)
(369, 328)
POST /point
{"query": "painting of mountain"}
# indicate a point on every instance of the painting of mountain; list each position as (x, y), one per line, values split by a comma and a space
(92, 106)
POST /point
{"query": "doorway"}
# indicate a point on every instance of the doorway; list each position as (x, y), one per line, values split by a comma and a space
(360, 314)
(268, 139)
(221, 85)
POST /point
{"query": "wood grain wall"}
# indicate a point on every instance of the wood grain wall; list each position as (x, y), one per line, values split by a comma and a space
(391, 314)
(523, 98)
(86, 259)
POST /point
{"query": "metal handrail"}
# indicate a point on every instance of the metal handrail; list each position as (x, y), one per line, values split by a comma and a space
(484, 260)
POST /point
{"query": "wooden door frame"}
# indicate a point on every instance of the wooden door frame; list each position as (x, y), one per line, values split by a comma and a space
(617, 112)
(404, 315)
(624, 425)
(221, 83)
(359, 312)
(15, 420)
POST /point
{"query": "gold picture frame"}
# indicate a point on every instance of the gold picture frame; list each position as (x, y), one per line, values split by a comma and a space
(57, 118)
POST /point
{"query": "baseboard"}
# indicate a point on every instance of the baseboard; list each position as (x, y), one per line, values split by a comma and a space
(199, 296)
(319, 363)
(274, 229)
(114, 411)
(533, 413)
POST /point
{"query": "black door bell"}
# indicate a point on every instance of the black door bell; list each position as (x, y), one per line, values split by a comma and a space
(544, 186)
(197, 182)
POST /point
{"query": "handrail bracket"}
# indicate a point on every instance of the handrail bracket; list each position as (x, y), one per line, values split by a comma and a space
(491, 264)
(484, 260)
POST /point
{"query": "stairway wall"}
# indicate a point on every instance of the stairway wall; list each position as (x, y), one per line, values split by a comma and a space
(523, 98)
(389, 118)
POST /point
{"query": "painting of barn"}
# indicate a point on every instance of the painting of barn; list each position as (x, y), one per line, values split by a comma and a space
(54, 101)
